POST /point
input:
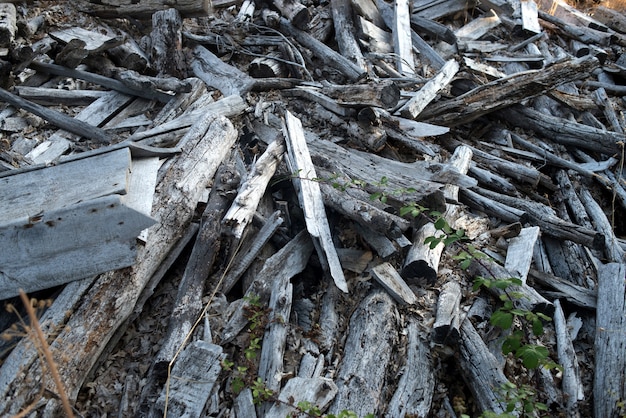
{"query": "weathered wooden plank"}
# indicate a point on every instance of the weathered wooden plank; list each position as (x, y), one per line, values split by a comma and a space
(402, 44)
(8, 24)
(506, 91)
(310, 197)
(192, 378)
(218, 74)
(367, 352)
(414, 107)
(51, 188)
(345, 32)
(609, 387)
(519, 253)
(414, 394)
(390, 279)
(448, 314)
(111, 300)
(94, 41)
(572, 384)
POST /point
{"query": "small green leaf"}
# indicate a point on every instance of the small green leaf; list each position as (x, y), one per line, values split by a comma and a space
(532, 355)
(501, 319)
(537, 327)
(376, 196)
(440, 223)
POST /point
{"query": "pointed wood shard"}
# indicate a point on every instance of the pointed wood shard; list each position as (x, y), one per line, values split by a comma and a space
(310, 197)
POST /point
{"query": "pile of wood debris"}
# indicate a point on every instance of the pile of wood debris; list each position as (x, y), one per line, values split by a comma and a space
(215, 193)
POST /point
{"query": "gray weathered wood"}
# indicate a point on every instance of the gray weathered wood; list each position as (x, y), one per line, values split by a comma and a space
(519, 253)
(572, 384)
(448, 314)
(480, 369)
(192, 378)
(414, 107)
(402, 44)
(609, 387)
(367, 352)
(287, 262)
(142, 9)
(414, 393)
(310, 197)
(318, 391)
(390, 279)
(111, 300)
(345, 32)
(253, 188)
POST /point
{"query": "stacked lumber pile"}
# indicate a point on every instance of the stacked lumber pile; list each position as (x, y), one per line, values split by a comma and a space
(216, 201)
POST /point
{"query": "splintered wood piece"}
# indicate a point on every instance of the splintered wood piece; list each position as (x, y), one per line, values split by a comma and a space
(571, 382)
(318, 391)
(95, 42)
(345, 32)
(166, 53)
(427, 94)
(415, 390)
(612, 248)
(287, 262)
(367, 353)
(422, 262)
(253, 188)
(402, 43)
(481, 370)
(519, 254)
(218, 74)
(390, 279)
(310, 197)
(53, 96)
(64, 248)
(191, 382)
(507, 91)
(111, 300)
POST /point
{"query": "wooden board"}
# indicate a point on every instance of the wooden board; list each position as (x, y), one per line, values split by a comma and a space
(64, 248)
(51, 188)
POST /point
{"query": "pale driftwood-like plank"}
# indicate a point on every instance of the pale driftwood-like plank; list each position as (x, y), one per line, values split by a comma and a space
(390, 279)
(110, 301)
(519, 253)
(402, 44)
(426, 94)
(52, 96)
(414, 394)
(192, 378)
(367, 352)
(310, 197)
(530, 17)
(47, 189)
(609, 386)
